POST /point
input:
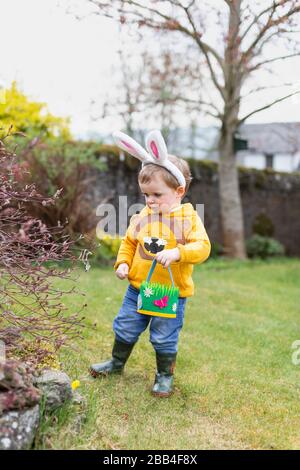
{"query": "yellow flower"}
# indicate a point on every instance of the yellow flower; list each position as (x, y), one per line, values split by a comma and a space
(75, 384)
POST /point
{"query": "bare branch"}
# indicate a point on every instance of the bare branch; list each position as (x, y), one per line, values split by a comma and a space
(269, 24)
(262, 88)
(198, 105)
(206, 49)
(254, 22)
(259, 64)
(240, 121)
(174, 25)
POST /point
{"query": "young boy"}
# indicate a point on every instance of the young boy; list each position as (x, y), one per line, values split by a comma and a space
(172, 234)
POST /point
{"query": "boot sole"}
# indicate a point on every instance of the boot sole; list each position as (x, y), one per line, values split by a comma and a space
(95, 374)
(161, 394)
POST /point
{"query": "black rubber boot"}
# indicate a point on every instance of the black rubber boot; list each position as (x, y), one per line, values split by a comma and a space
(120, 354)
(163, 385)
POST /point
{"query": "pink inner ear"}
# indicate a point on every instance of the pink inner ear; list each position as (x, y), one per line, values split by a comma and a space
(128, 146)
(154, 148)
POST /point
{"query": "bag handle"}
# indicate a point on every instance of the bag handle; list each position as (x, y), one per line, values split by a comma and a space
(154, 262)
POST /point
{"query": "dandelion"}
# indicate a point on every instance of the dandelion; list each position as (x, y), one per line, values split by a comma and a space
(75, 384)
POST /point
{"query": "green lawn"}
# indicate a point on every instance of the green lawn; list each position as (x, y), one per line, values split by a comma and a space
(236, 385)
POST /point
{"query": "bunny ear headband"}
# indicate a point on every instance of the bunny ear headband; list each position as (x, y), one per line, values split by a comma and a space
(157, 152)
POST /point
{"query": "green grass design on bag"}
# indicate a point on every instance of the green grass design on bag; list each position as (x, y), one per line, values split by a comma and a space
(158, 299)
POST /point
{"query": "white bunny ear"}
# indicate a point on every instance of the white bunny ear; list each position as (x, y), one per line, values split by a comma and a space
(131, 146)
(156, 146)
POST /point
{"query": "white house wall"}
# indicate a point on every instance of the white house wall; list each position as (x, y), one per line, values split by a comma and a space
(283, 162)
(296, 166)
(257, 161)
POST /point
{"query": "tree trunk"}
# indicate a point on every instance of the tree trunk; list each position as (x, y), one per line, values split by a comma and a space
(230, 201)
(229, 191)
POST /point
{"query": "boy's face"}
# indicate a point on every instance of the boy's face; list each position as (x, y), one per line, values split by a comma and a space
(160, 197)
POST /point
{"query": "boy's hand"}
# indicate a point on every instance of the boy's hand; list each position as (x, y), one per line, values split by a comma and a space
(122, 271)
(166, 257)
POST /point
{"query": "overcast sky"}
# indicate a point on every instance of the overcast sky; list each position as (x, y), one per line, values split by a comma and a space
(65, 62)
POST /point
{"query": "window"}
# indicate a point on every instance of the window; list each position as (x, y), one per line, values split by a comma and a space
(269, 160)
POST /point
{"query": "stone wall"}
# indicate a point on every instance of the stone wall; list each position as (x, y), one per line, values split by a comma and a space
(276, 195)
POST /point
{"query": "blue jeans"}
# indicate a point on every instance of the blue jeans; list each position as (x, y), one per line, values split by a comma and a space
(164, 332)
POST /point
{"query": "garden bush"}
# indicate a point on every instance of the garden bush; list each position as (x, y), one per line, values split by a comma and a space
(33, 318)
(263, 247)
(63, 166)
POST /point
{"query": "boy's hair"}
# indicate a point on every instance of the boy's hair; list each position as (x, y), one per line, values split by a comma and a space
(151, 169)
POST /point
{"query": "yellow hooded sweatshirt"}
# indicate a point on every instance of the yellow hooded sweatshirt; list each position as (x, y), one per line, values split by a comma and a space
(149, 233)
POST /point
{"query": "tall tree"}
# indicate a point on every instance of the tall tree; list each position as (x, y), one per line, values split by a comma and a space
(148, 90)
(243, 31)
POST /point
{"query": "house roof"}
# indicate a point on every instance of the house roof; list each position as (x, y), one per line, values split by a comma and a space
(273, 137)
